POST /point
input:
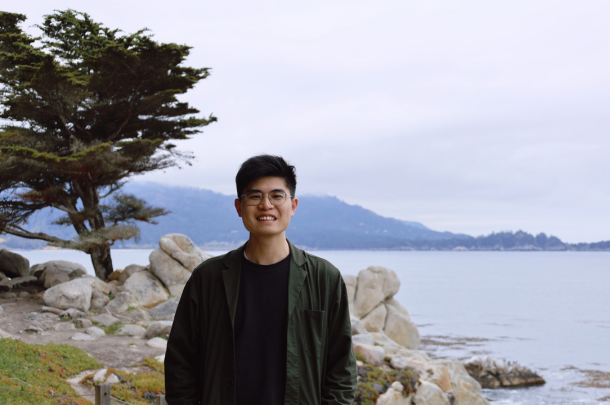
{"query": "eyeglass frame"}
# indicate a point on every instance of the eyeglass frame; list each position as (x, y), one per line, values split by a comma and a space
(266, 194)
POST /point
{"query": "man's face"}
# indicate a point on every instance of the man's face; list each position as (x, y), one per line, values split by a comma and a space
(266, 219)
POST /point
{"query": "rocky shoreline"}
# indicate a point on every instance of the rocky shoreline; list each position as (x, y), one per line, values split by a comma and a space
(129, 316)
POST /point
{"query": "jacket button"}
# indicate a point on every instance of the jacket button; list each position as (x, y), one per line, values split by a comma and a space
(229, 384)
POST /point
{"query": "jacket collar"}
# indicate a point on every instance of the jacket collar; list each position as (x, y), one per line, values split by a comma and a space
(232, 272)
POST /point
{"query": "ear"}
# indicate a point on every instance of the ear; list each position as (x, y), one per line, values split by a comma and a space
(238, 206)
(295, 202)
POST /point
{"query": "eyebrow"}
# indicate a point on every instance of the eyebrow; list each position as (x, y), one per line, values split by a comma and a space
(257, 190)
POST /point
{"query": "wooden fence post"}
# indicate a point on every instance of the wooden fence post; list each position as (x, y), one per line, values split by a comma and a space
(160, 400)
(102, 394)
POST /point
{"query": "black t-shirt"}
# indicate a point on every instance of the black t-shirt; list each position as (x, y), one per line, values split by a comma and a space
(260, 333)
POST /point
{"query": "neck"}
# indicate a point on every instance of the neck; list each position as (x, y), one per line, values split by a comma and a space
(267, 250)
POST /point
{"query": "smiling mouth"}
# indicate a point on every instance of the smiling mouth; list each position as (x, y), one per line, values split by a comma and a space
(266, 219)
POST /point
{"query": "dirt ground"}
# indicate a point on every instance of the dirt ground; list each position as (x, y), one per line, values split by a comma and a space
(111, 351)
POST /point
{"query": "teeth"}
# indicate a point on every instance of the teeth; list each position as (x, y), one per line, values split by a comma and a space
(266, 219)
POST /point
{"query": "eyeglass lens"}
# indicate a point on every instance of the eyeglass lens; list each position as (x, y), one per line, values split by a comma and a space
(275, 197)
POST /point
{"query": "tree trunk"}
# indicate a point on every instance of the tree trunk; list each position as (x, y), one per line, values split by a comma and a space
(102, 262)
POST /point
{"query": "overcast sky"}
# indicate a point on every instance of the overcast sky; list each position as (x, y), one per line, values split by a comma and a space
(467, 116)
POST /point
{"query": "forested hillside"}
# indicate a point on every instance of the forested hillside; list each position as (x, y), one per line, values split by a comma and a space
(321, 222)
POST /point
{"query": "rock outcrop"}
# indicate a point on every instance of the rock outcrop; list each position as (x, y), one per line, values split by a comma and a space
(81, 293)
(384, 336)
(54, 272)
(496, 373)
(175, 260)
(372, 301)
(146, 288)
(13, 264)
(72, 294)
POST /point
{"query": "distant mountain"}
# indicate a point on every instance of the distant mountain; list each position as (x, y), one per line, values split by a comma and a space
(210, 220)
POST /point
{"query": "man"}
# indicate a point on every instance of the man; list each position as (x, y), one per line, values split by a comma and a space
(267, 323)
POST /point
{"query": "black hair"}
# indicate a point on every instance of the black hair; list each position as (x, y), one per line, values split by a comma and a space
(265, 166)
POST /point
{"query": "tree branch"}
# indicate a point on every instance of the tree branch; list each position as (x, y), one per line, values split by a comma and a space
(39, 235)
(129, 114)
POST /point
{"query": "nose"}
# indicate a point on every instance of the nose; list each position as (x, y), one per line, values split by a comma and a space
(266, 202)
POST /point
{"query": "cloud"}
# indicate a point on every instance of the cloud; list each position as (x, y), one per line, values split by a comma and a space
(469, 116)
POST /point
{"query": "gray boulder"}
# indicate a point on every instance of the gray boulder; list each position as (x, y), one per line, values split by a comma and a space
(429, 394)
(181, 248)
(82, 323)
(105, 319)
(136, 315)
(13, 265)
(363, 339)
(357, 326)
(95, 331)
(466, 389)
(497, 373)
(35, 317)
(171, 272)
(158, 328)
(166, 310)
(370, 354)
(72, 313)
(9, 284)
(147, 289)
(400, 329)
(52, 277)
(131, 330)
(130, 271)
(157, 343)
(64, 326)
(72, 294)
(1, 310)
(122, 302)
(374, 321)
(2, 276)
(99, 292)
(72, 270)
(375, 285)
(82, 336)
(395, 395)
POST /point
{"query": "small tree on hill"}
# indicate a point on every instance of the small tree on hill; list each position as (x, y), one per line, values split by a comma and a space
(87, 108)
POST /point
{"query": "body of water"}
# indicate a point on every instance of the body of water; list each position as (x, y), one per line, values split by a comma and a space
(549, 311)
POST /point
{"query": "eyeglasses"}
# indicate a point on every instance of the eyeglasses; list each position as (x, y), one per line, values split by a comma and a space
(276, 197)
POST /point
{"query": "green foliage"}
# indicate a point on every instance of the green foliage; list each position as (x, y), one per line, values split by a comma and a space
(110, 330)
(375, 381)
(131, 308)
(138, 388)
(88, 108)
(41, 369)
(65, 319)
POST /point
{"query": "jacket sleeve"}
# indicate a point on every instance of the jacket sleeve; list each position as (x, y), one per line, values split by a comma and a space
(339, 385)
(182, 372)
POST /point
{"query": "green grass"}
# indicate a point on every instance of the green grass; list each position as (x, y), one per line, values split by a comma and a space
(65, 318)
(131, 308)
(366, 393)
(137, 388)
(43, 368)
(110, 330)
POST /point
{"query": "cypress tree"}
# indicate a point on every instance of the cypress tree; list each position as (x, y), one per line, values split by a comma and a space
(84, 108)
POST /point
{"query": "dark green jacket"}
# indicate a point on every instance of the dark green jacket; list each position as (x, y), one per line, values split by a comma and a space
(320, 362)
